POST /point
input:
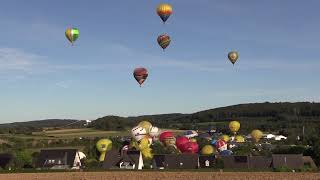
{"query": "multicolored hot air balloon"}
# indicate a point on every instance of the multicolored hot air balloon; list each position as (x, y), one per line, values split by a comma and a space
(72, 34)
(140, 74)
(164, 41)
(164, 11)
(233, 56)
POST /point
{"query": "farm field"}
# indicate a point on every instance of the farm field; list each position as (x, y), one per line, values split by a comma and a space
(84, 132)
(134, 175)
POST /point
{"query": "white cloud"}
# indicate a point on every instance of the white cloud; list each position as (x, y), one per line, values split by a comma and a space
(17, 60)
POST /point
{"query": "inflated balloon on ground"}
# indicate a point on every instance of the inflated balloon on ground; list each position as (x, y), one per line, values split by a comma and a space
(103, 146)
(234, 126)
(256, 135)
(207, 150)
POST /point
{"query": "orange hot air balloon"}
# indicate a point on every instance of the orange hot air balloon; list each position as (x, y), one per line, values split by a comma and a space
(140, 74)
(164, 11)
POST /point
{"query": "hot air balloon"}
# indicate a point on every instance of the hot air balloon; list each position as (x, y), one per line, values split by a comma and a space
(239, 139)
(140, 74)
(221, 145)
(207, 150)
(190, 147)
(103, 146)
(138, 133)
(234, 126)
(225, 138)
(256, 135)
(145, 124)
(164, 135)
(233, 56)
(190, 134)
(164, 11)
(181, 141)
(72, 34)
(164, 41)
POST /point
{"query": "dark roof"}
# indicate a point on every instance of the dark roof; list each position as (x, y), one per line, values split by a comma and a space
(235, 161)
(131, 157)
(307, 160)
(5, 159)
(207, 161)
(113, 158)
(260, 162)
(158, 161)
(66, 156)
(174, 161)
(293, 161)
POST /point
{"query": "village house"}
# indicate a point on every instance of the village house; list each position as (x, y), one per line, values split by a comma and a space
(60, 159)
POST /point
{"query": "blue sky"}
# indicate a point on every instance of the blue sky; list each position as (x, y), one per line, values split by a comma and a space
(42, 76)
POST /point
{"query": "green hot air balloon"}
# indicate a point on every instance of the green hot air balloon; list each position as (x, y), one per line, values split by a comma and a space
(72, 34)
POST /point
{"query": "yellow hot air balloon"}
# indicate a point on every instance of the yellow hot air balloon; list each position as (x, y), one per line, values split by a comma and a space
(146, 125)
(234, 126)
(164, 11)
(225, 138)
(233, 56)
(239, 139)
(256, 135)
(208, 150)
(103, 146)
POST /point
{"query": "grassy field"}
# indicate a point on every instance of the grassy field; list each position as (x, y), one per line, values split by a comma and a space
(86, 132)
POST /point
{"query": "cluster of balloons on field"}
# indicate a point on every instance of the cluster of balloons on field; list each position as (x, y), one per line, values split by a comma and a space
(144, 135)
(140, 74)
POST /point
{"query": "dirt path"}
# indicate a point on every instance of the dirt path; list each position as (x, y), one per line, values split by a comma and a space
(127, 175)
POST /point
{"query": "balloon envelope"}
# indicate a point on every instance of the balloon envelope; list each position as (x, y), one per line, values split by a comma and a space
(140, 74)
(72, 34)
(181, 141)
(164, 11)
(104, 145)
(234, 126)
(256, 135)
(225, 138)
(239, 139)
(164, 41)
(221, 145)
(233, 56)
(190, 147)
(164, 135)
(207, 150)
(145, 124)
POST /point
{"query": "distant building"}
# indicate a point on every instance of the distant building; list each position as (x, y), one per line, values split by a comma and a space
(60, 159)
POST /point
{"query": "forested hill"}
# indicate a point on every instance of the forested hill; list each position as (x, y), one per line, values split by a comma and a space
(252, 115)
(38, 125)
(266, 116)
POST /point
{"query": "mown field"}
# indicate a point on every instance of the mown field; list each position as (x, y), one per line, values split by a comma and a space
(84, 132)
(135, 175)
